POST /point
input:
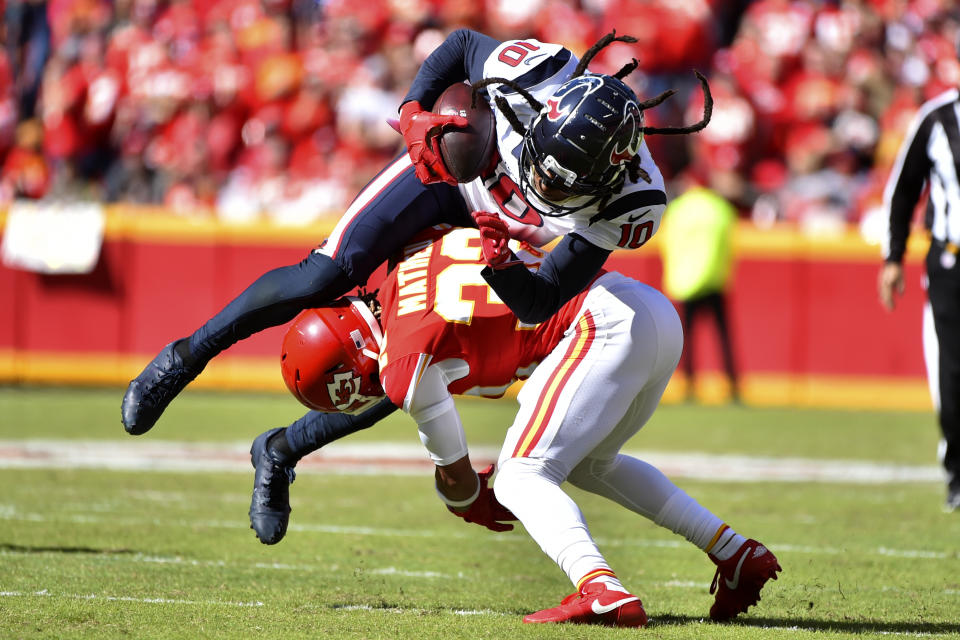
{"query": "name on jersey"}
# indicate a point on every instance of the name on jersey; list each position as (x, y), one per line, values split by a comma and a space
(412, 282)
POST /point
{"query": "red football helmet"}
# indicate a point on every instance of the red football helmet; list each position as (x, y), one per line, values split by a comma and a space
(329, 357)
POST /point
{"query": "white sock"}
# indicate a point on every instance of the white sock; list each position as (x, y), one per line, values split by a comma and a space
(685, 516)
(728, 543)
(551, 517)
(643, 488)
(613, 584)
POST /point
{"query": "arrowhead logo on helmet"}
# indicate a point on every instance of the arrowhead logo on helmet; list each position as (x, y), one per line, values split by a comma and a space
(344, 389)
(329, 357)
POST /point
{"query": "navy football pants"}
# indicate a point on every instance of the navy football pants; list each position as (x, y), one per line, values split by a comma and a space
(385, 215)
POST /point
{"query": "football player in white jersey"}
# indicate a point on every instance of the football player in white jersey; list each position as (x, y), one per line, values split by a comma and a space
(571, 164)
(597, 369)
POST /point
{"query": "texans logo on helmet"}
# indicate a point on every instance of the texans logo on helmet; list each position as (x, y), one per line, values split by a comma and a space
(578, 88)
(554, 112)
(632, 119)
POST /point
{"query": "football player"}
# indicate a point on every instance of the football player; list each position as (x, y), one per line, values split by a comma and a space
(597, 369)
(571, 163)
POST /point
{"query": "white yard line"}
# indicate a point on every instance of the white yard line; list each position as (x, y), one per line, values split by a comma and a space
(11, 513)
(46, 593)
(385, 571)
(411, 459)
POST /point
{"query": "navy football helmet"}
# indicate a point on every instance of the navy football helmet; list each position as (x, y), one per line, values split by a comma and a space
(576, 151)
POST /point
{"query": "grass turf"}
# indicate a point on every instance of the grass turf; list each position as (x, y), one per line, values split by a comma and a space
(112, 554)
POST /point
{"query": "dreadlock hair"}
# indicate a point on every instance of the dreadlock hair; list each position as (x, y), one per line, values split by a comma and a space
(369, 298)
(502, 103)
(595, 49)
(634, 170)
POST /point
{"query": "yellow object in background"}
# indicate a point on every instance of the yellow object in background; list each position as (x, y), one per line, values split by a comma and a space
(695, 236)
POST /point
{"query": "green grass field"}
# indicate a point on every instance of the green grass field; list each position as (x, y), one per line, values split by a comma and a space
(97, 553)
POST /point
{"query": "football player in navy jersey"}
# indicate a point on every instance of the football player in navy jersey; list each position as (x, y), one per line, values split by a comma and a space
(572, 164)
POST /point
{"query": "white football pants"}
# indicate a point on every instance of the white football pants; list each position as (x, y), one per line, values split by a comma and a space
(594, 391)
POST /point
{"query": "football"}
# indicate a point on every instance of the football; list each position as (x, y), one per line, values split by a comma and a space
(466, 152)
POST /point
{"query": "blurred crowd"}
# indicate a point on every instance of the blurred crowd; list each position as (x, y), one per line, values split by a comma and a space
(252, 109)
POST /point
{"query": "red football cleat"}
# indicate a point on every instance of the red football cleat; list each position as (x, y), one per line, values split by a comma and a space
(595, 605)
(740, 578)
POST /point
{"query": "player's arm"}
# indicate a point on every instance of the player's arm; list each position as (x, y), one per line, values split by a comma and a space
(460, 57)
(464, 492)
(567, 270)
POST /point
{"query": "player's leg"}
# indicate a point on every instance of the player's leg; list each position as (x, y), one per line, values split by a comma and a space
(559, 422)
(639, 340)
(275, 453)
(556, 523)
(387, 213)
(644, 489)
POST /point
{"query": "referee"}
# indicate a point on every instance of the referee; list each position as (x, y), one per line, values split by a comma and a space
(930, 155)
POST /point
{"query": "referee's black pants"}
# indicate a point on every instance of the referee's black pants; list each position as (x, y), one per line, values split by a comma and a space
(944, 293)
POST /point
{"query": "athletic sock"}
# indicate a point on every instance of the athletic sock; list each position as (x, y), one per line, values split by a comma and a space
(182, 349)
(684, 515)
(279, 448)
(600, 576)
(725, 543)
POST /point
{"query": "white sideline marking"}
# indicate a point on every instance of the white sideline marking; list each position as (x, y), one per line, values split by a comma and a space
(10, 512)
(411, 459)
(45, 593)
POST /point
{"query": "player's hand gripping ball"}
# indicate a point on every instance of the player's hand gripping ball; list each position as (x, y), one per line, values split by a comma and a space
(421, 131)
(468, 151)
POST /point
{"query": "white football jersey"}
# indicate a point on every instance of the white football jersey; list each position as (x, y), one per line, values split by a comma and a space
(630, 217)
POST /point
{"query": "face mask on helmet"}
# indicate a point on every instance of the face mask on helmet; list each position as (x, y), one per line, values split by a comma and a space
(329, 357)
(576, 151)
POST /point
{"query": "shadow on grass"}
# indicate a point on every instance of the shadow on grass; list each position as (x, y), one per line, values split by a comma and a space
(812, 624)
(19, 548)
(798, 624)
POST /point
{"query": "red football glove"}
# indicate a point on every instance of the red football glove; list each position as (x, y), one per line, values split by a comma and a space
(420, 130)
(486, 510)
(494, 236)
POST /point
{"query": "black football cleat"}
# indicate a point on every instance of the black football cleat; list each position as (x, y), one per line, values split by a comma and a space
(270, 504)
(952, 502)
(150, 392)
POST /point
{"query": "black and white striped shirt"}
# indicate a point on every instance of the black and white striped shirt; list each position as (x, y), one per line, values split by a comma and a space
(929, 154)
